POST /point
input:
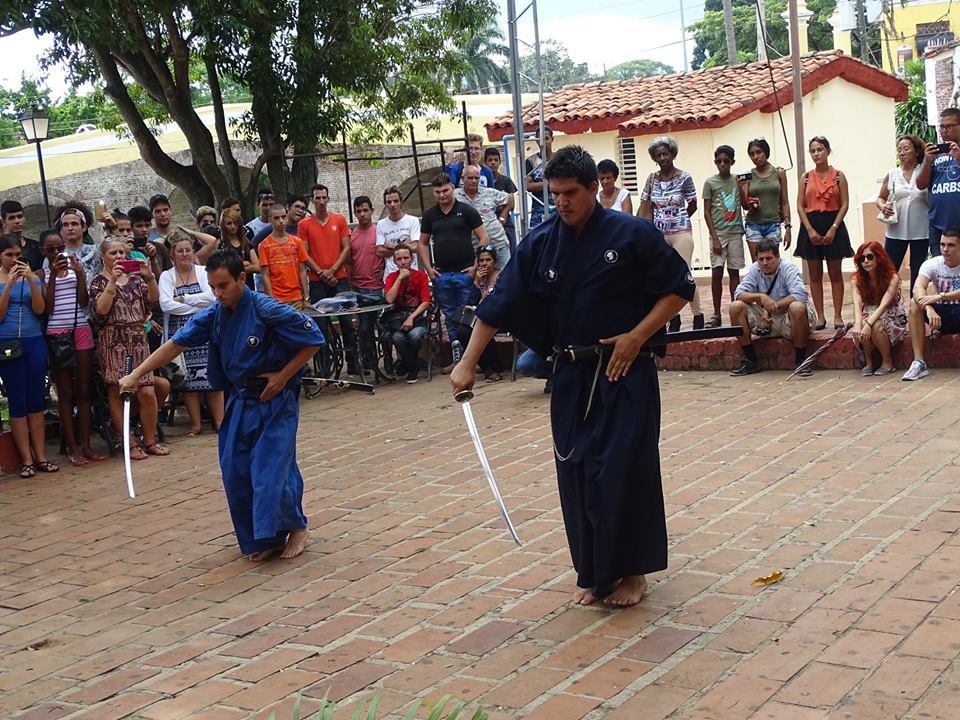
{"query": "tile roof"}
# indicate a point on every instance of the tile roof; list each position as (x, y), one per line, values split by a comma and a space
(688, 101)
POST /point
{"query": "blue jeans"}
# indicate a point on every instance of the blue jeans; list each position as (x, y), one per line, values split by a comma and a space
(935, 235)
(453, 290)
(529, 364)
(408, 345)
(502, 254)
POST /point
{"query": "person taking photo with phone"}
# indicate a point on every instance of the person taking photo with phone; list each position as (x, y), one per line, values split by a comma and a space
(23, 357)
(939, 174)
(120, 298)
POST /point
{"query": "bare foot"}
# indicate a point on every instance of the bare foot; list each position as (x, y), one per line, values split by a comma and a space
(583, 597)
(296, 542)
(263, 555)
(628, 592)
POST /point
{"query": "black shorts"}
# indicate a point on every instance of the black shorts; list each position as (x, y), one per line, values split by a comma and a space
(949, 317)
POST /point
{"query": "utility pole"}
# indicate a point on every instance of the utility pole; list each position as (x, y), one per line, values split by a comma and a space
(862, 30)
(683, 39)
(729, 32)
(761, 33)
(797, 90)
(517, 111)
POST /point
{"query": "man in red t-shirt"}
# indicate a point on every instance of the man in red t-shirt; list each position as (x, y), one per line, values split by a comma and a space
(326, 236)
(409, 292)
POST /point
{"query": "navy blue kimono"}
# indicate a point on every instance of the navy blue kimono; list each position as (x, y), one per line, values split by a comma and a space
(258, 440)
(561, 290)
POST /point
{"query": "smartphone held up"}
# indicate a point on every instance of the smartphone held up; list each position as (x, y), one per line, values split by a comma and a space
(129, 266)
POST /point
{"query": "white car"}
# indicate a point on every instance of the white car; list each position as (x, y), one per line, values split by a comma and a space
(85, 129)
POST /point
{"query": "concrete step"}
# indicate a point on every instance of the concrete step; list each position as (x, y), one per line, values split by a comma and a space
(777, 353)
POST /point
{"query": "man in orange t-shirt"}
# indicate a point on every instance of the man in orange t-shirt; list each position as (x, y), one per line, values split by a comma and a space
(283, 262)
(327, 238)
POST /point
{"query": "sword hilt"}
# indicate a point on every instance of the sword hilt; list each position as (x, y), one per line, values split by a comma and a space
(456, 352)
(127, 369)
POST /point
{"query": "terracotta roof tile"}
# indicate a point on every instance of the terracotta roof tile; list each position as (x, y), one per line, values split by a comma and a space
(703, 98)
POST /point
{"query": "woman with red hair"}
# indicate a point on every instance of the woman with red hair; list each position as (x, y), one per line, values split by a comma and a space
(881, 316)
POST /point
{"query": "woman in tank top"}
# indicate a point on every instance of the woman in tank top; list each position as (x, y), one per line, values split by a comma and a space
(899, 194)
(764, 196)
(610, 196)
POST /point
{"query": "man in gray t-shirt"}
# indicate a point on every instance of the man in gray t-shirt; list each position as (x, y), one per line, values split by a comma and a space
(493, 206)
(771, 300)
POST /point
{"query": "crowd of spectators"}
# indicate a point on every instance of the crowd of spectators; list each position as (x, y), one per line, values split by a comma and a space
(92, 291)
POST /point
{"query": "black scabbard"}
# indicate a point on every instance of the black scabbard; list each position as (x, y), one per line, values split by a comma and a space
(576, 353)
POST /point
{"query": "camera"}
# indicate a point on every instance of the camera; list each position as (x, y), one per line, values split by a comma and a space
(943, 148)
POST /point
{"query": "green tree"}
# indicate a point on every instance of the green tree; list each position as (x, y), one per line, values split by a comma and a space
(486, 60)
(65, 115)
(710, 49)
(637, 69)
(559, 69)
(911, 115)
(314, 68)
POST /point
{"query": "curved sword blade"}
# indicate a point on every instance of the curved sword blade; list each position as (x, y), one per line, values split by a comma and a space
(126, 447)
(475, 436)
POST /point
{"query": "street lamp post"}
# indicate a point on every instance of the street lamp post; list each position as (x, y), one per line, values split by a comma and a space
(35, 125)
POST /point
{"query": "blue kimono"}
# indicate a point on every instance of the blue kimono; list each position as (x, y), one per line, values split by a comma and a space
(561, 290)
(258, 440)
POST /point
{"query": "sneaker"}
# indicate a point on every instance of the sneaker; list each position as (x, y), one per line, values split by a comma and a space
(548, 387)
(806, 372)
(918, 369)
(674, 325)
(747, 367)
(412, 377)
(698, 321)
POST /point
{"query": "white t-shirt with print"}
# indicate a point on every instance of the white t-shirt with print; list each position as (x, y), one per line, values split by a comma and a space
(944, 279)
(389, 231)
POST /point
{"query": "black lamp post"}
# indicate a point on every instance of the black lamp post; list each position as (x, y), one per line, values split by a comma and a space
(35, 125)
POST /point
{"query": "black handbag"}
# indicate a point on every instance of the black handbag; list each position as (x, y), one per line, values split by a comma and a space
(13, 349)
(61, 347)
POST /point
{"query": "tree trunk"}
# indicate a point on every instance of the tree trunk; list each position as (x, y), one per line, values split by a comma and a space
(231, 167)
(185, 177)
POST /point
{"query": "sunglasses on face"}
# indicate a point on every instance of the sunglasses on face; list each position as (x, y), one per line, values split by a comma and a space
(867, 256)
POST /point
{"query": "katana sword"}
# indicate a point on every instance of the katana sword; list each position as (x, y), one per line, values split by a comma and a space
(127, 400)
(464, 397)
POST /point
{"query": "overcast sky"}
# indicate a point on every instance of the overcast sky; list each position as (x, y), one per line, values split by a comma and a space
(602, 34)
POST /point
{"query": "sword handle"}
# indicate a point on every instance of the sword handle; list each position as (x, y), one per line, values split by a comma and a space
(456, 352)
(127, 369)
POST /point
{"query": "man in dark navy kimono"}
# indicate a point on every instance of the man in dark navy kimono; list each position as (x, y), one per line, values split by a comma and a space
(594, 277)
(258, 347)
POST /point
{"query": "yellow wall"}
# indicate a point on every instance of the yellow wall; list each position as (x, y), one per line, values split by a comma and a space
(905, 19)
(864, 151)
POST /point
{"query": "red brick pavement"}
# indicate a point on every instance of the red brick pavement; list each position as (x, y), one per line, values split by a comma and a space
(112, 608)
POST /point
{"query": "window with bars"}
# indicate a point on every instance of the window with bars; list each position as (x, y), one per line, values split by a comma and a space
(627, 151)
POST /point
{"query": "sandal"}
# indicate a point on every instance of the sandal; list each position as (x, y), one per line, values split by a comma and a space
(713, 322)
(77, 460)
(93, 457)
(838, 326)
(493, 377)
(821, 326)
(45, 466)
(156, 449)
(27, 471)
(193, 433)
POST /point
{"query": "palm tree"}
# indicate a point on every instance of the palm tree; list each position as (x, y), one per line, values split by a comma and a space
(482, 50)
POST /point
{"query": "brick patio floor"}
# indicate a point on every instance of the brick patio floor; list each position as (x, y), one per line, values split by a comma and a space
(112, 608)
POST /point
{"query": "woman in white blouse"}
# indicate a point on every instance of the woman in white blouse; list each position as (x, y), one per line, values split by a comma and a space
(609, 195)
(899, 197)
(184, 291)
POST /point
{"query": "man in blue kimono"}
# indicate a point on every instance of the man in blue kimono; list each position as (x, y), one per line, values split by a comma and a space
(594, 277)
(258, 348)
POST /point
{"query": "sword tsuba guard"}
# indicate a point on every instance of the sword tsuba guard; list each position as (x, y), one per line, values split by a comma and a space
(463, 396)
